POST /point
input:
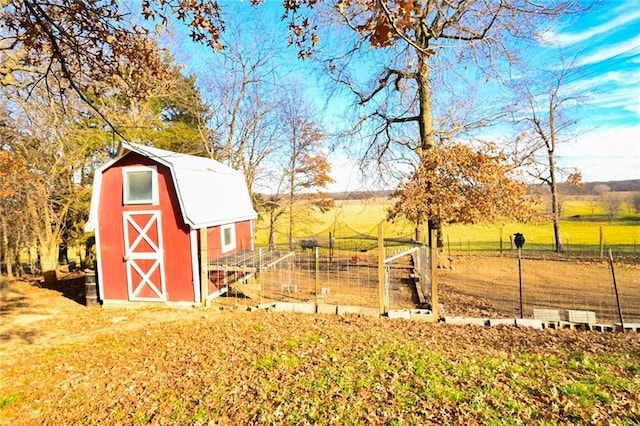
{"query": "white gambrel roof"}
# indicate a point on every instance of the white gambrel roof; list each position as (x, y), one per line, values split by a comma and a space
(209, 193)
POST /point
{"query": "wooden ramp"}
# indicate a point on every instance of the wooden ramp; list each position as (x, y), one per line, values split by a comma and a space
(248, 263)
(251, 290)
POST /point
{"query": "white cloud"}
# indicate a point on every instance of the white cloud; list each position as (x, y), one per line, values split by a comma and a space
(568, 39)
(609, 51)
(604, 154)
(619, 98)
(606, 86)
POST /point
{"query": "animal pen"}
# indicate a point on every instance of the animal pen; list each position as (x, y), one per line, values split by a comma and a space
(352, 272)
(329, 273)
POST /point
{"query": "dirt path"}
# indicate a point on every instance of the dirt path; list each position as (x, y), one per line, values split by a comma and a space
(34, 318)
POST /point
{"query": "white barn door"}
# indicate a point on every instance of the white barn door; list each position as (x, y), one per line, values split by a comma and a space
(144, 256)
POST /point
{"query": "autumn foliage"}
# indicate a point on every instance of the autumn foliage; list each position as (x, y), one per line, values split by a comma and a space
(151, 366)
(457, 184)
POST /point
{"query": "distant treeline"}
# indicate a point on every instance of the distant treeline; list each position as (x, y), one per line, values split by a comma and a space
(586, 188)
(360, 195)
(597, 188)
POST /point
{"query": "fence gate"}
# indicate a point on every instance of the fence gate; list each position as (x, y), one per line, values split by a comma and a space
(401, 286)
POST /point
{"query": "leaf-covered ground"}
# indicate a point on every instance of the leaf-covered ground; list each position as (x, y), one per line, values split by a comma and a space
(160, 366)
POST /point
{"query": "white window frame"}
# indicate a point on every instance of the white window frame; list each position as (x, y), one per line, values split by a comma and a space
(231, 246)
(154, 185)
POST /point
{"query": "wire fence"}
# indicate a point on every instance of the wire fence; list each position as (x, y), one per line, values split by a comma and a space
(327, 271)
(575, 246)
(494, 286)
(471, 282)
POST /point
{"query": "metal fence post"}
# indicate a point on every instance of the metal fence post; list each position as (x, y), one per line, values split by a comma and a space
(260, 286)
(317, 273)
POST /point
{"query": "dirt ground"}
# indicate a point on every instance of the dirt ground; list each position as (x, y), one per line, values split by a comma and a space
(490, 286)
(33, 317)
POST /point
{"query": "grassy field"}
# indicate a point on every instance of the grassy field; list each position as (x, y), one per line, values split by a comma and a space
(352, 217)
(62, 363)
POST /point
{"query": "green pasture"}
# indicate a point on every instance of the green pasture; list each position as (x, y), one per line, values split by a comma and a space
(580, 229)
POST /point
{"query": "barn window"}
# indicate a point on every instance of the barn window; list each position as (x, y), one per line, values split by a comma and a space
(228, 233)
(140, 185)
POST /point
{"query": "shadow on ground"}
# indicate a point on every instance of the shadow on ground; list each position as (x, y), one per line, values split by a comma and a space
(72, 288)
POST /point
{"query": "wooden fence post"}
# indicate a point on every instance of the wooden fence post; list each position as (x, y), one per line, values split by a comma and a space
(434, 283)
(423, 268)
(204, 268)
(381, 269)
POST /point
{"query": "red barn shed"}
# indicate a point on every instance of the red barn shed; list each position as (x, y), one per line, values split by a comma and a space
(154, 212)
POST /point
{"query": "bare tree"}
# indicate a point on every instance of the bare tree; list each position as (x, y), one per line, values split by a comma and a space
(542, 111)
(49, 142)
(612, 204)
(247, 95)
(420, 43)
(301, 168)
(636, 203)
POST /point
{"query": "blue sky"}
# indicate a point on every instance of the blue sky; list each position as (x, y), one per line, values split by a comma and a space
(605, 46)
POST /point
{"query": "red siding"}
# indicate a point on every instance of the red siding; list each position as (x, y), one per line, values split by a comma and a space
(214, 251)
(243, 240)
(176, 241)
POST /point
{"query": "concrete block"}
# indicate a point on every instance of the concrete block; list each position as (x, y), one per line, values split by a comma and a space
(327, 309)
(527, 322)
(369, 312)
(283, 307)
(422, 315)
(423, 318)
(399, 313)
(501, 321)
(581, 317)
(466, 321)
(628, 326)
(346, 309)
(304, 308)
(266, 306)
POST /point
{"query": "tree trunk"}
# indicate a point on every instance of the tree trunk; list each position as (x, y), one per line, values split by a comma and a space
(47, 233)
(292, 193)
(88, 253)
(63, 253)
(291, 224)
(9, 259)
(16, 257)
(555, 205)
(425, 117)
(272, 230)
(555, 210)
(49, 262)
(5, 251)
(425, 124)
